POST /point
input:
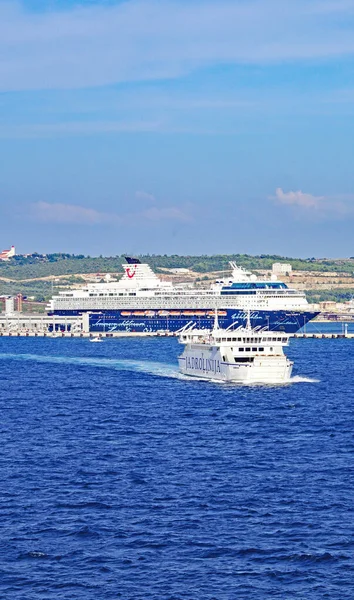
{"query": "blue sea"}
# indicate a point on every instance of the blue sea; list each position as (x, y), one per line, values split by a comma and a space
(121, 479)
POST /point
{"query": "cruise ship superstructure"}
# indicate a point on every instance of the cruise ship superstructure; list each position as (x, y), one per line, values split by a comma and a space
(140, 301)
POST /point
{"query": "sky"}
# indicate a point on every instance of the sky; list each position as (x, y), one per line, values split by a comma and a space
(177, 127)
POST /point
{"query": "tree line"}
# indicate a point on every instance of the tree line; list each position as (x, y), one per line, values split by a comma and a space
(39, 265)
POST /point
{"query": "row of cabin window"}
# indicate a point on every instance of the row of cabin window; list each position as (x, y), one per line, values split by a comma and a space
(253, 349)
(250, 340)
(95, 295)
(241, 359)
(238, 359)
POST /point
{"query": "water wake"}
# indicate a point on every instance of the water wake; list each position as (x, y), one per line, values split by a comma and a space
(299, 379)
(138, 366)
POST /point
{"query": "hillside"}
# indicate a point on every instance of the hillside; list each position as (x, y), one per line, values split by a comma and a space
(37, 275)
(38, 266)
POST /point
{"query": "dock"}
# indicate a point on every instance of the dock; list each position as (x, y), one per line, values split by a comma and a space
(86, 334)
(320, 336)
(344, 334)
(19, 324)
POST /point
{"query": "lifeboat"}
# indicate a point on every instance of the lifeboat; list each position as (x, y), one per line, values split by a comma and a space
(163, 313)
(200, 313)
(189, 313)
(126, 313)
(139, 313)
(175, 313)
(150, 313)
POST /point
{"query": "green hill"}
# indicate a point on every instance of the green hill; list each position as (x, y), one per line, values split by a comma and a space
(36, 265)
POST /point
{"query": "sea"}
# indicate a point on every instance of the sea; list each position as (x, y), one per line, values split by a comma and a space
(122, 479)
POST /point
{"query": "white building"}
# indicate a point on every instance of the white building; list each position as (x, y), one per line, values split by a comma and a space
(281, 269)
(10, 305)
(7, 254)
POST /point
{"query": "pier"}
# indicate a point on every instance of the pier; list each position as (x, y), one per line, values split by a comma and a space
(320, 336)
(344, 334)
(38, 324)
(19, 324)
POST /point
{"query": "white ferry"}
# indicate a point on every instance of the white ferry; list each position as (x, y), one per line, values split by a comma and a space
(244, 355)
(140, 301)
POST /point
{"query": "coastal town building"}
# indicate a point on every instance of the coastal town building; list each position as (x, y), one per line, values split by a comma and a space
(7, 254)
(281, 269)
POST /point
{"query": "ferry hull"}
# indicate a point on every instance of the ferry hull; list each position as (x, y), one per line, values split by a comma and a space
(210, 365)
(173, 321)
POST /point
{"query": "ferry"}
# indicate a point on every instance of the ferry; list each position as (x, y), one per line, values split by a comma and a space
(141, 301)
(243, 355)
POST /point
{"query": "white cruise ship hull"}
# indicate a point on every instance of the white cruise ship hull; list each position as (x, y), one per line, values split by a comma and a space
(140, 301)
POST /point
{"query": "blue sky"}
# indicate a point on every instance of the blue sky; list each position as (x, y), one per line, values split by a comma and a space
(162, 126)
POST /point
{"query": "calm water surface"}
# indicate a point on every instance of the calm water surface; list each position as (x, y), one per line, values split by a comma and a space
(121, 479)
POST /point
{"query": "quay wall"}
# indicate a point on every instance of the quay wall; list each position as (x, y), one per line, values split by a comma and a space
(34, 325)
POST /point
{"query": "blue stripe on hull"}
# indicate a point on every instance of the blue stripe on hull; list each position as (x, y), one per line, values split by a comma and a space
(110, 321)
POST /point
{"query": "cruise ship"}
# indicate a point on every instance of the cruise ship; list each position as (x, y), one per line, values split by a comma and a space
(140, 301)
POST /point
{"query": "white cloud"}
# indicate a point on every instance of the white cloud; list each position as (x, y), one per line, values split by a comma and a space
(102, 44)
(68, 213)
(298, 198)
(159, 213)
(323, 206)
(169, 213)
(61, 213)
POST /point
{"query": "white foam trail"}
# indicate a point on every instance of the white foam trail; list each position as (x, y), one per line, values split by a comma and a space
(295, 379)
(299, 379)
(140, 366)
